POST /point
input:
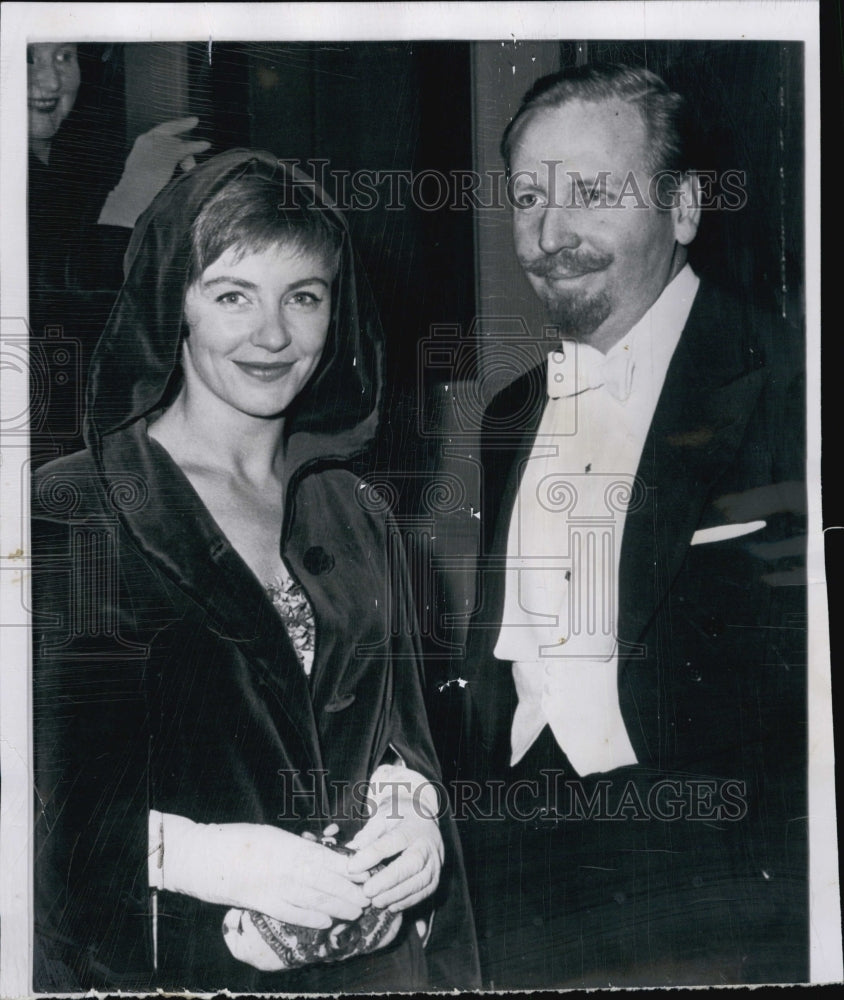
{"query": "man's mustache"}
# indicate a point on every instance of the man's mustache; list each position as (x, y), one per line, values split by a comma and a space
(566, 263)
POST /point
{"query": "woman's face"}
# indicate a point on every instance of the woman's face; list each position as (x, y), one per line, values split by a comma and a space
(258, 326)
(52, 83)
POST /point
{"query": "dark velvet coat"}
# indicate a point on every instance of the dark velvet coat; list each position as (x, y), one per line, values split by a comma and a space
(711, 683)
(164, 678)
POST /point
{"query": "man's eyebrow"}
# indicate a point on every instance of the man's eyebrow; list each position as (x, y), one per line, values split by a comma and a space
(590, 179)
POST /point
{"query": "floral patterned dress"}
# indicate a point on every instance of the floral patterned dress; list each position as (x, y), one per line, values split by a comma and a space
(291, 602)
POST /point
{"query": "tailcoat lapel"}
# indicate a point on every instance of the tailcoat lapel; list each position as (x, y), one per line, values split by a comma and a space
(507, 439)
(710, 390)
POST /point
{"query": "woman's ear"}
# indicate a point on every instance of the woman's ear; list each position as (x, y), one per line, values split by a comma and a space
(184, 332)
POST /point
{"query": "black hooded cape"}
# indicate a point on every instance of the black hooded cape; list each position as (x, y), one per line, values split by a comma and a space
(164, 678)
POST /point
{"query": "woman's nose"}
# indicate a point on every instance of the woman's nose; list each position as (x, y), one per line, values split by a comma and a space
(272, 333)
(46, 76)
(557, 230)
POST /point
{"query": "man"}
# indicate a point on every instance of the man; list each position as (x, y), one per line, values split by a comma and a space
(633, 756)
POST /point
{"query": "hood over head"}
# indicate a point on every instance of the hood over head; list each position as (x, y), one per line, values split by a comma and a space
(136, 367)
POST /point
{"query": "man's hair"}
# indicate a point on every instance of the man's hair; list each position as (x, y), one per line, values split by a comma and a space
(252, 213)
(663, 111)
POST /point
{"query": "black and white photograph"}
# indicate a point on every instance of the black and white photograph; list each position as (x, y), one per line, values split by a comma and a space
(412, 543)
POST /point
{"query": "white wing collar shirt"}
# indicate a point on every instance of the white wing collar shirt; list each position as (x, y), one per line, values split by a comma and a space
(564, 543)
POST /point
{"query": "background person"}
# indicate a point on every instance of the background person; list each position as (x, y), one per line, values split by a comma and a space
(83, 201)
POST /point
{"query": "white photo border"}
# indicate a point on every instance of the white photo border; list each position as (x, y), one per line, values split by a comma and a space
(793, 20)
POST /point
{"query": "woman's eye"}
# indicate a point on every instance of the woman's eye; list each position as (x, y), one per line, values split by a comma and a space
(231, 298)
(308, 299)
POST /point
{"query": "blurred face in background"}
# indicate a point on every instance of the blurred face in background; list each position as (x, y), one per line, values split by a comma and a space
(52, 85)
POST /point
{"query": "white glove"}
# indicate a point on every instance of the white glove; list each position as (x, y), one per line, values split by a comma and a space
(254, 867)
(148, 168)
(248, 943)
(404, 824)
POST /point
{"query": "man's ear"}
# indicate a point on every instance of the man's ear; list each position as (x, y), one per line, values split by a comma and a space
(685, 213)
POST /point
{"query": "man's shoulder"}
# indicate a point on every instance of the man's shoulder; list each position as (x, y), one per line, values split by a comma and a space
(747, 324)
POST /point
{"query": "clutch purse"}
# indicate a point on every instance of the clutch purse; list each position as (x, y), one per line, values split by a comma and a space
(273, 945)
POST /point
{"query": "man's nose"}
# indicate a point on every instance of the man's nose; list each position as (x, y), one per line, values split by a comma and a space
(272, 332)
(557, 230)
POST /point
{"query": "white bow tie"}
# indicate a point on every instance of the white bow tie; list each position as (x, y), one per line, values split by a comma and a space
(575, 367)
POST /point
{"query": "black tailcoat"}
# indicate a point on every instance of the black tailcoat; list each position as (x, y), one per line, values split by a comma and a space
(711, 684)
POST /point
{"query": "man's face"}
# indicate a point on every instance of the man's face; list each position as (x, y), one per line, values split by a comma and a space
(589, 234)
(53, 80)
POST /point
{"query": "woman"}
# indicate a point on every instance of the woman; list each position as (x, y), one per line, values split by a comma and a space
(227, 666)
(83, 201)
(74, 181)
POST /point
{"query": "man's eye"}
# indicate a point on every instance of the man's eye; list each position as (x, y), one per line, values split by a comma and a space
(526, 199)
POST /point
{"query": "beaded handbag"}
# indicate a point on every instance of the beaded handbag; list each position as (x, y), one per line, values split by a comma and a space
(273, 945)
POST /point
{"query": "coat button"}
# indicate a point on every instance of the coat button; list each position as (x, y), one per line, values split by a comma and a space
(318, 561)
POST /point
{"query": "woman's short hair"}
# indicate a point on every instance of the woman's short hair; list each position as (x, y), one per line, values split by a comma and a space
(252, 213)
(663, 110)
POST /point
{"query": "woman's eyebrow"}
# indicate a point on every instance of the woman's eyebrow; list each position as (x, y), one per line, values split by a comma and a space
(227, 279)
(245, 283)
(308, 281)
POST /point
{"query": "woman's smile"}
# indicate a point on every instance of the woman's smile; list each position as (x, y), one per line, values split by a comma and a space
(46, 105)
(265, 371)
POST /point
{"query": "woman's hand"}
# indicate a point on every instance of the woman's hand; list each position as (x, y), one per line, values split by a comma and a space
(258, 867)
(149, 167)
(404, 824)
